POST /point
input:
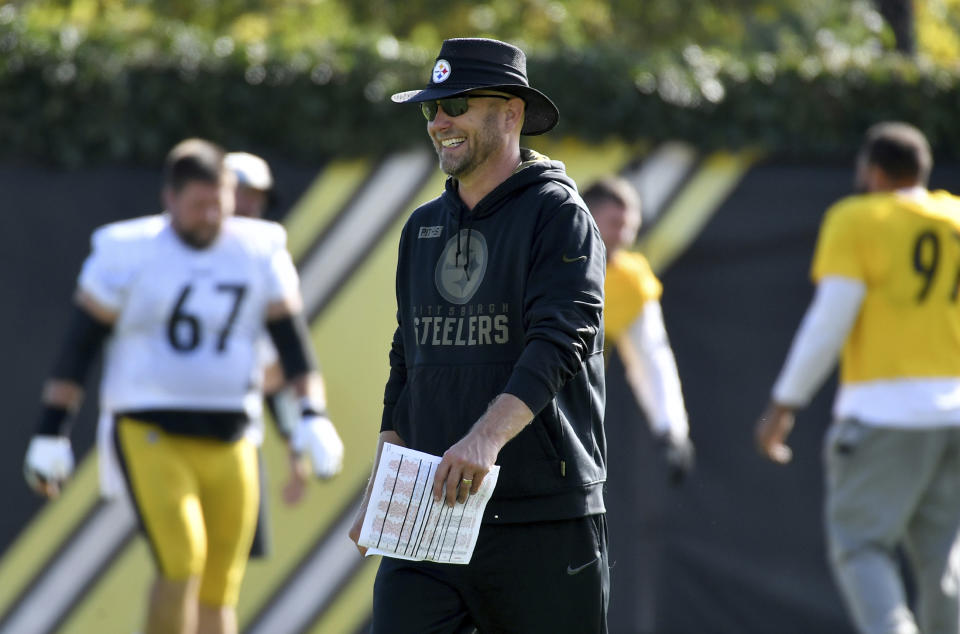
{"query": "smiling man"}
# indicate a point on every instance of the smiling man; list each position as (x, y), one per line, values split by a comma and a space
(498, 359)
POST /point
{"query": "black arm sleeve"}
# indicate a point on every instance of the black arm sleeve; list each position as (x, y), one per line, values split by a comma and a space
(395, 383)
(54, 421)
(394, 393)
(563, 306)
(84, 337)
(291, 337)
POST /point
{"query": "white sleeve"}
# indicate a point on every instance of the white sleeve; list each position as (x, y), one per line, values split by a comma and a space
(819, 339)
(652, 372)
(105, 274)
(283, 281)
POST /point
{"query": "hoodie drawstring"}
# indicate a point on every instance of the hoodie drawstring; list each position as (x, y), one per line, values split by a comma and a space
(466, 260)
(459, 224)
(466, 256)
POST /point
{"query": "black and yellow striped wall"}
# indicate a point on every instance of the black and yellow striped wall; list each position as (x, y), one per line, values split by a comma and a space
(76, 565)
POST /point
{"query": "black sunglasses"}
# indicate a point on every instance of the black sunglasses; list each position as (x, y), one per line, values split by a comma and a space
(454, 106)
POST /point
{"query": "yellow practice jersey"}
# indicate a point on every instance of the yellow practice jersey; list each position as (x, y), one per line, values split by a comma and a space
(629, 285)
(906, 251)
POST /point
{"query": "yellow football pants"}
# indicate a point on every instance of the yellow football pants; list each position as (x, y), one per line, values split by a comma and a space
(197, 500)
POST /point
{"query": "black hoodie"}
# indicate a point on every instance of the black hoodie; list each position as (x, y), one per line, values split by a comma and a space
(507, 297)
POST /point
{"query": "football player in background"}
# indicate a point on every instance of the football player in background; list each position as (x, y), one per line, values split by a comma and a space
(181, 300)
(633, 322)
(255, 193)
(633, 325)
(887, 270)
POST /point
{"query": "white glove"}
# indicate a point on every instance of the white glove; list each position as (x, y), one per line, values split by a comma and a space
(317, 436)
(49, 459)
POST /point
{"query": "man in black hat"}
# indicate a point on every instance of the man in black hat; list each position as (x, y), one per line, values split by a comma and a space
(498, 358)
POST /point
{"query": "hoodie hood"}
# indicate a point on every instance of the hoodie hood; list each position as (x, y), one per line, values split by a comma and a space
(535, 168)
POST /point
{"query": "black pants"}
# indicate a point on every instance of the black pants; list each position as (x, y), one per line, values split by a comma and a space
(524, 578)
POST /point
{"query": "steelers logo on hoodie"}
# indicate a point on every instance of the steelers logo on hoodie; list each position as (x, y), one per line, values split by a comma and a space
(461, 266)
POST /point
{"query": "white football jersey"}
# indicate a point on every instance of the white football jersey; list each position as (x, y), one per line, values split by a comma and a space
(190, 321)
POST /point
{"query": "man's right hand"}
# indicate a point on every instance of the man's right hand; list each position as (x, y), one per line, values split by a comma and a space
(771, 433)
(680, 457)
(48, 464)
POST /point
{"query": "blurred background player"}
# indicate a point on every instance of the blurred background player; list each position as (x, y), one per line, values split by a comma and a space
(182, 299)
(886, 268)
(255, 194)
(633, 323)
(254, 197)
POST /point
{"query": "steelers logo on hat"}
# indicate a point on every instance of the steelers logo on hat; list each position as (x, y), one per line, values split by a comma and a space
(441, 71)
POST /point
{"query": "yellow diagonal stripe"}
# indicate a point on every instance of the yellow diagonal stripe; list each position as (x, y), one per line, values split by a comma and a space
(43, 535)
(317, 207)
(353, 605)
(352, 338)
(118, 601)
(680, 224)
(585, 162)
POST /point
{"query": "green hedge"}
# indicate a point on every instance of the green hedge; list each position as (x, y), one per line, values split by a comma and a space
(73, 99)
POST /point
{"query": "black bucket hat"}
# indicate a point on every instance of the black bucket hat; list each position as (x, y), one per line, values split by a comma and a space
(466, 64)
